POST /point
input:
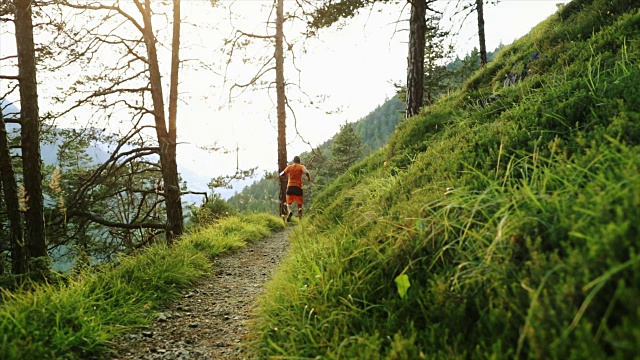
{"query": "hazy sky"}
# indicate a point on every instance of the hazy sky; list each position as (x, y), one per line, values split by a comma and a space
(353, 68)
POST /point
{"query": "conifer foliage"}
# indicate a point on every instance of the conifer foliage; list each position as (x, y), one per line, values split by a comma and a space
(436, 53)
(347, 148)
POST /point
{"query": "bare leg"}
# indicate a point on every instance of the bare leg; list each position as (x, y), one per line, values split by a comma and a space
(299, 211)
(289, 212)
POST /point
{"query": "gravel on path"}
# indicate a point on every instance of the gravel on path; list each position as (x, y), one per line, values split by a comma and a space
(210, 320)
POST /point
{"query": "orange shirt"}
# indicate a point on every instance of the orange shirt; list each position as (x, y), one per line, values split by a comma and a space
(295, 172)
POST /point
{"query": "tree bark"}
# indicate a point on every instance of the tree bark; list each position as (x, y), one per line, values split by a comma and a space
(280, 93)
(8, 181)
(415, 59)
(30, 130)
(175, 67)
(481, 35)
(174, 213)
(166, 139)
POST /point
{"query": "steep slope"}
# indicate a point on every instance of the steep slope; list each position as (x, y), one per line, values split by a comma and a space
(503, 222)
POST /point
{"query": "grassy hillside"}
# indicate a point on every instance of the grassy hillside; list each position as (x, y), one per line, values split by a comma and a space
(503, 222)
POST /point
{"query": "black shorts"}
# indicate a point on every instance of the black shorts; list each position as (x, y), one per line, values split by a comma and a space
(294, 190)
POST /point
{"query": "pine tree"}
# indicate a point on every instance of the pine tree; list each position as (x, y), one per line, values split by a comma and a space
(468, 66)
(436, 53)
(347, 148)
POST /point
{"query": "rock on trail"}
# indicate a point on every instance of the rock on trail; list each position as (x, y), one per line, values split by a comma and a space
(210, 320)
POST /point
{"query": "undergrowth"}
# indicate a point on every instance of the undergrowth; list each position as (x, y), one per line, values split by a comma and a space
(506, 229)
(79, 318)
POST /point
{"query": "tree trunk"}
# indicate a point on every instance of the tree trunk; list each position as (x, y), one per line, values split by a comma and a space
(166, 139)
(174, 213)
(30, 130)
(175, 66)
(5, 243)
(282, 134)
(8, 181)
(483, 45)
(415, 59)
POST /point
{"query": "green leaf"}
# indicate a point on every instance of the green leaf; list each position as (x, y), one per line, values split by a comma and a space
(402, 281)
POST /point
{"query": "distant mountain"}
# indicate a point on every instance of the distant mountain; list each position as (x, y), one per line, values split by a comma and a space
(375, 128)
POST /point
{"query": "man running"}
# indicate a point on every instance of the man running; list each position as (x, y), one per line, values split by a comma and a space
(294, 186)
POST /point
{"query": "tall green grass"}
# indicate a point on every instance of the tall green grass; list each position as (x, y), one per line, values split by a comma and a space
(505, 231)
(79, 318)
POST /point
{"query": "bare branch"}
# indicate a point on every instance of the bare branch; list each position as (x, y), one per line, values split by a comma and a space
(255, 36)
(115, 90)
(112, 224)
(100, 6)
(82, 102)
(206, 196)
(263, 70)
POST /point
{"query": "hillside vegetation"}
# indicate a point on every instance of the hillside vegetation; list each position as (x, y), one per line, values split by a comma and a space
(502, 222)
(78, 317)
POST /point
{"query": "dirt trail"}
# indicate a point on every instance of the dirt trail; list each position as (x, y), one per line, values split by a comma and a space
(209, 321)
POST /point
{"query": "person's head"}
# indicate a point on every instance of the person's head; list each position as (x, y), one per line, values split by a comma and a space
(296, 159)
